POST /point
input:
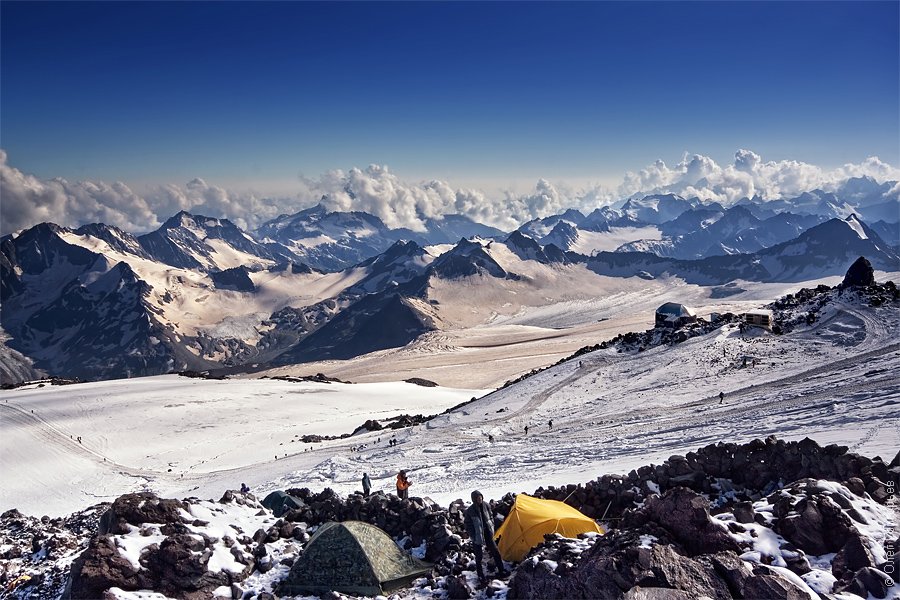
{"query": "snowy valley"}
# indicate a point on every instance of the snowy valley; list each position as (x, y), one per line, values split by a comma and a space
(201, 294)
(534, 362)
(639, 400)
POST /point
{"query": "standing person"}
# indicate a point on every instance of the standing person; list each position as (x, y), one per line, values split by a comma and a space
(721, 397)
(526, 430)
(550, 423)
(367, 484)
(480, 527)
(403, 486)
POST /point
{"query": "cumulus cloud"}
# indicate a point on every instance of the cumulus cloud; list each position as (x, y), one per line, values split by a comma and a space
(378, 191)
(246, 210)
(749, 175)
(26, 200)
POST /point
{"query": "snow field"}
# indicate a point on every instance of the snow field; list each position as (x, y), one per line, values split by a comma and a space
(170, 433)
(612, 412)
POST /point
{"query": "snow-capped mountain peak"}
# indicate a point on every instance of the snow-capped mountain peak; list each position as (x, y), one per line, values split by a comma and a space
(563, 235)
(209, 244)
(857, 226)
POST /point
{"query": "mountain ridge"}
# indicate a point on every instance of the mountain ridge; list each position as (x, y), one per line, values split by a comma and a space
(98, 277)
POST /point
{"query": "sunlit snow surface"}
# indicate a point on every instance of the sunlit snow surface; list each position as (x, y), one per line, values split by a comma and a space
(834, 381)
(178, 435)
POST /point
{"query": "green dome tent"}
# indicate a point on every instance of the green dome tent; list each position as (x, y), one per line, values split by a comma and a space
(280, 502)
(352, 558)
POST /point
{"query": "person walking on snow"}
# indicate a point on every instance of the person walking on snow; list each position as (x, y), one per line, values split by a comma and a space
(403, 486)
(721, 397)
(480, 526)
(367, 484)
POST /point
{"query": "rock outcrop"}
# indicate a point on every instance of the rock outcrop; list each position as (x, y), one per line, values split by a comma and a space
(860, 274)
(749, 471)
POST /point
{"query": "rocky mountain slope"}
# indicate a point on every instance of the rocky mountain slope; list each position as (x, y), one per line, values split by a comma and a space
(337, 240)
(200, 294)
(828, 247)
(703, 232)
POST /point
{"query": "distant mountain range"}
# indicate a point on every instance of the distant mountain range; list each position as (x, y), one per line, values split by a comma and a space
(819, 251)
(706, 231)
(336, 240)
(199, 293)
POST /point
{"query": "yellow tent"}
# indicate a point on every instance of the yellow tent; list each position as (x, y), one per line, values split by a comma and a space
(532, 518)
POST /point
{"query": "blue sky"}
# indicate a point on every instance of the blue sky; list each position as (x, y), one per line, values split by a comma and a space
(466, 92)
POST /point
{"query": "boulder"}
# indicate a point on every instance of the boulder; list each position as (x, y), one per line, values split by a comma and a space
(859, 274)
(867, 582)
(615, 566)
(457, 588)
(697, 577)
(137, 509)
(854, 556)
(652, 593)
(816, 524)
(99, 568)
(733, 571)
(744, 513)
(371, 425)
(180, 566)
(772, 587)
(685, 514)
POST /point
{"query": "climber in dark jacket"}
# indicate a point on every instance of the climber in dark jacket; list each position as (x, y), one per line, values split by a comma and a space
(480, 527)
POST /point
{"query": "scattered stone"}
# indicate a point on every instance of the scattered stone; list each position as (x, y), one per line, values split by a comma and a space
(688, 552)
(457, 588)
(744, 513)
(854, 556)
(867, 582)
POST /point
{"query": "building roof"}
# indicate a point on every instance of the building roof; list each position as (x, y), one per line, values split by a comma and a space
(759, 311)
(673, 309)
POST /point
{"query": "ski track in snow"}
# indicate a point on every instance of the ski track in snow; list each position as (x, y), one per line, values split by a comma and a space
(611, 412)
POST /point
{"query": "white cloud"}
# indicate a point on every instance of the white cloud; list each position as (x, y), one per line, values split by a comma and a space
(748, 175)
(26, 200)
(380, 192)
(246, 210)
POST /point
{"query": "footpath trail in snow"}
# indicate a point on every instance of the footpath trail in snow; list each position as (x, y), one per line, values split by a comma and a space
(65, 447)
(610, 412)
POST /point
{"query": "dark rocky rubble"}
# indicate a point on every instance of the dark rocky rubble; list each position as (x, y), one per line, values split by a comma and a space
(678, 530)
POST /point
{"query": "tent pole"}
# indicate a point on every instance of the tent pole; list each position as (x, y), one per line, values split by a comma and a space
(606, 511)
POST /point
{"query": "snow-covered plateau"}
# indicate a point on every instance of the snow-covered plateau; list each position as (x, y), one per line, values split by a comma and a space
(830, 376)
